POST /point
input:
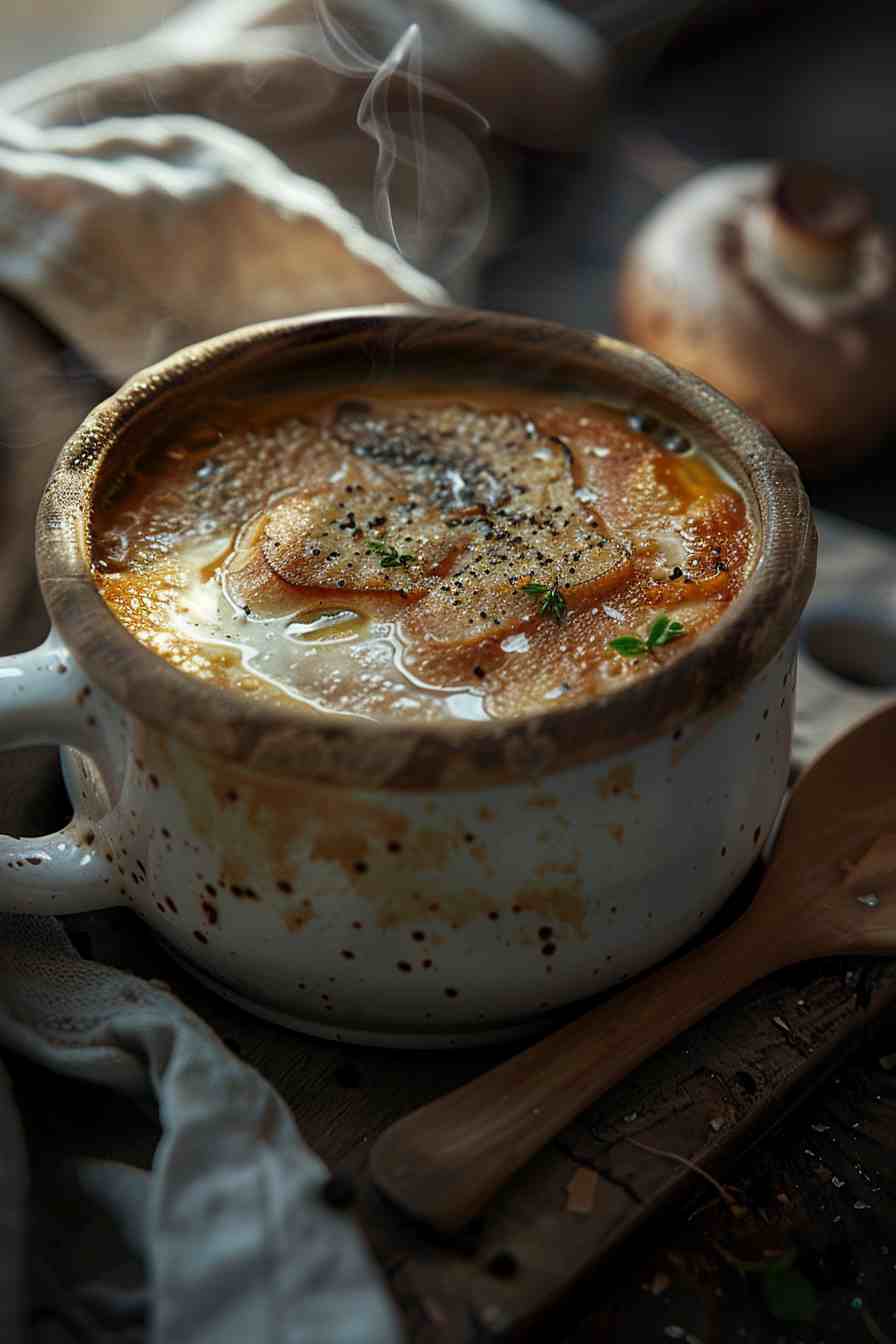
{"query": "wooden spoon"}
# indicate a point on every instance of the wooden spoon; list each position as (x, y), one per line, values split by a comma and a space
(829, 889)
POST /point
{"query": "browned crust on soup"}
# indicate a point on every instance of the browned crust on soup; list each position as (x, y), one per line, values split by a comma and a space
(220, 376)
(621, 514)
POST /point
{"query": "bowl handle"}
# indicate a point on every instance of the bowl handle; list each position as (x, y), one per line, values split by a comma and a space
(44, 702)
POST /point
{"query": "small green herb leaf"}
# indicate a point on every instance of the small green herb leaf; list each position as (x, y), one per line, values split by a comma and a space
(551, 600)
(663, 631)
(629, 646)
(657, 632)
(389, 555)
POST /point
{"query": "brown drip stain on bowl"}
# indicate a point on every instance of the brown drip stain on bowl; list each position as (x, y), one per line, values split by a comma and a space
(296, 920)
(618, 782)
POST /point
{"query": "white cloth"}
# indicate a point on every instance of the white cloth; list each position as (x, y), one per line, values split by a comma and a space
(214, 173)
(226, 1238)
(134, 237)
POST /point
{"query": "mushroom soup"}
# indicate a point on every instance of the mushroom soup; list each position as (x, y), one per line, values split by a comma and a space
(414, 556)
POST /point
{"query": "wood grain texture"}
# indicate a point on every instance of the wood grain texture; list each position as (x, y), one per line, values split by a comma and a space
(704, 1098)
(828, 889)
(443, 1164)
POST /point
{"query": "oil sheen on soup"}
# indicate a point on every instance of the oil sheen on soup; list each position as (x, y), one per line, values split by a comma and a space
(420, 557)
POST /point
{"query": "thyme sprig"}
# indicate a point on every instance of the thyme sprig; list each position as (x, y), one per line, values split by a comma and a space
(390, 557)
(662, 631)
(551, 600)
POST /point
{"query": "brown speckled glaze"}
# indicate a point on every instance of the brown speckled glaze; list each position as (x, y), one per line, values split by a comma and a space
(414, 885)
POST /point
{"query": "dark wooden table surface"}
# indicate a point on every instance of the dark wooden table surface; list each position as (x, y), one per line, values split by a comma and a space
(816, 1185)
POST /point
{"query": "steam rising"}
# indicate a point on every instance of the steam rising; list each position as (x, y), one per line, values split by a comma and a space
(373, 120)
(451, 185)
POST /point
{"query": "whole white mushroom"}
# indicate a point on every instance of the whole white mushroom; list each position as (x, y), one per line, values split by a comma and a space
(775, 283)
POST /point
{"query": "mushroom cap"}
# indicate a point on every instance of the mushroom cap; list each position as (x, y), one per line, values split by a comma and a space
(776, 285)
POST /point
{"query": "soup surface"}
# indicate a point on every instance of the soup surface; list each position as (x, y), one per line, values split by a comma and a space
(419, 557)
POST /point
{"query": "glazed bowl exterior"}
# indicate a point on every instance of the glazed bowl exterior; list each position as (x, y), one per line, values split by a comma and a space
(383, 882)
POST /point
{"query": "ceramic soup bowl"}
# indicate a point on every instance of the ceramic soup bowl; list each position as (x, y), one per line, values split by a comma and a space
(403, 883)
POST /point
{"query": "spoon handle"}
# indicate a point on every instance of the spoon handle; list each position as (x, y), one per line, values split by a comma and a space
(443, 1163)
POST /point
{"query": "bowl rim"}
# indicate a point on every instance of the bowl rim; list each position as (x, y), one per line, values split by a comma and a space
(370, 754)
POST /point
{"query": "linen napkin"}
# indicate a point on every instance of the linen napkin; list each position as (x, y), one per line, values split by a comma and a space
(226, 169)
(228, 1237)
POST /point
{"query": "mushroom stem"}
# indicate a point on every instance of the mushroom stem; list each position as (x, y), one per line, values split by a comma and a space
(817, 219)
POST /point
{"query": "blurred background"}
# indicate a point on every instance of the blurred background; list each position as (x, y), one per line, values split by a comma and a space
(693, 85)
